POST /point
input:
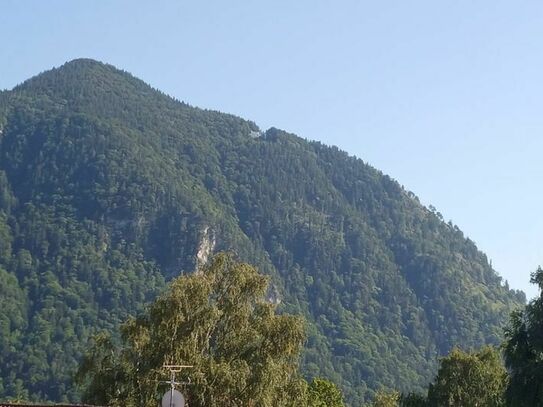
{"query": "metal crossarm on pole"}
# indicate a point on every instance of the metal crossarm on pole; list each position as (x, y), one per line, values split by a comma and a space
(174, 398)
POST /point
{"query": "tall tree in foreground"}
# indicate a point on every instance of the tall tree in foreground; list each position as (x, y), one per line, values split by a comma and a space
(216, 319)
(469, 379)
(524, 351)
(474, 379)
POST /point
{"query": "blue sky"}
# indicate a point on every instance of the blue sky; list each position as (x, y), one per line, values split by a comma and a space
(445, 96)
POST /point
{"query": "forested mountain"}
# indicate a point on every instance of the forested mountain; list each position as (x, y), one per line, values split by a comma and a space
(109, 188)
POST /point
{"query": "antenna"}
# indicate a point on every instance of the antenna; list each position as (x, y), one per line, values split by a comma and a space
(174, 398)
(173, 370)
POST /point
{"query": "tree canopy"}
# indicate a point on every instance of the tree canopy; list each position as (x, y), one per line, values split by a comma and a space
(323, 393)
(475, 379)
(523, 350)
(219, 321)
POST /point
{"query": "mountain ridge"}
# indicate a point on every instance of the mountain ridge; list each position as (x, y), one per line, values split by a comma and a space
(109, 188)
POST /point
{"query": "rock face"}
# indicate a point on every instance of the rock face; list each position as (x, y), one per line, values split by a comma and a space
(206, 247)
(109, 188)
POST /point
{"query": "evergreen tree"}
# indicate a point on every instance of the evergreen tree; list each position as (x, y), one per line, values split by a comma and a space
(523, 350)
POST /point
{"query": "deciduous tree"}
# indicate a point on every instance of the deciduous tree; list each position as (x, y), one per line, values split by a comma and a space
(218, 320)
(474, 379)
(323, 393)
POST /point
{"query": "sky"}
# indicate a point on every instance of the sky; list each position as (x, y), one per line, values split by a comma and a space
(444, 96)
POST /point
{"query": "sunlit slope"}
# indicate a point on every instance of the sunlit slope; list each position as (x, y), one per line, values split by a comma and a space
(108, 188)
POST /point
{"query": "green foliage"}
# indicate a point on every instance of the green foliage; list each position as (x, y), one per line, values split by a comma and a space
(413, 400)
(463, 379)
(469, 379)
(217, 320)
(109, 188)
(386, 399)
(323, 393)
(523, 351)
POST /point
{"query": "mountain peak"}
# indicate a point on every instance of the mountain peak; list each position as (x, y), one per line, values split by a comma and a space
(91, 86)
(84, 61)
(72, 74)
(106, 92)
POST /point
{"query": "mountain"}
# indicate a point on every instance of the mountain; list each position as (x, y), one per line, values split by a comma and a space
(109, 188)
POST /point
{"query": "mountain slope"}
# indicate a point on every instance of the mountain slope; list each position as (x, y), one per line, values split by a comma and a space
(109, 188)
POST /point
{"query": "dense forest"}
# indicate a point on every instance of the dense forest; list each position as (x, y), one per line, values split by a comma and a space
(509, 375)
(109, 189)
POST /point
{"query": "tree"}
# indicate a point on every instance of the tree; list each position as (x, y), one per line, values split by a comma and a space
(386, 399)
(523, 351)
(395, 399)
(469, 379)
(323, 393)
(413, 400)
(216, 319)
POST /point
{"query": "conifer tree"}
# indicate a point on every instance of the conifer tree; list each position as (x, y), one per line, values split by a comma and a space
(523, 351)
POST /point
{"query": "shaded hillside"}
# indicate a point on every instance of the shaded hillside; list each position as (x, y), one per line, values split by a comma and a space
(109, 188)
